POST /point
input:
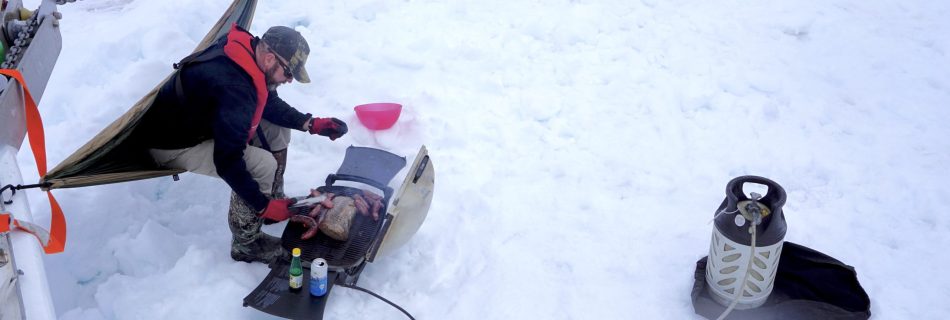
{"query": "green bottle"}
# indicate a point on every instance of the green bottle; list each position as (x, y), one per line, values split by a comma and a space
(296, 272)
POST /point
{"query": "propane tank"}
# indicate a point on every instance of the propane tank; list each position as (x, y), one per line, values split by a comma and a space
(746, 244)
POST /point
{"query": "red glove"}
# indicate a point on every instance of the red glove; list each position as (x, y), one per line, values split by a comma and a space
(328, 127)
(277, 209)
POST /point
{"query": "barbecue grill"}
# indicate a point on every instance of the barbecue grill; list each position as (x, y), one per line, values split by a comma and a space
(361, 167)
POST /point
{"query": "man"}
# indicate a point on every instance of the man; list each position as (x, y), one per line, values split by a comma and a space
(221, 116)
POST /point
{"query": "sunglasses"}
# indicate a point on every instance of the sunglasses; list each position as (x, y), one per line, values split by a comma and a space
(287, 73)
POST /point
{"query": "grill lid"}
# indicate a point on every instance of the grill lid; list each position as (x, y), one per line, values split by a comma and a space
(410, 206)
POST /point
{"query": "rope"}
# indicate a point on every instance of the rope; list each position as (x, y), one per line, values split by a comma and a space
(721, 212)
(380, 298)
(757, 219)
(744, 279)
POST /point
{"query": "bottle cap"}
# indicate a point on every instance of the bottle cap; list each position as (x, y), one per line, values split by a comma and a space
(296, 252)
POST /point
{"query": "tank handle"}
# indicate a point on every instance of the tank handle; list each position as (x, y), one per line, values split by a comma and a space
(775, 196)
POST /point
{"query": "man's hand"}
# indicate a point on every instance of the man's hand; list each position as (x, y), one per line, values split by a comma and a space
(332, 128)
(277, 210)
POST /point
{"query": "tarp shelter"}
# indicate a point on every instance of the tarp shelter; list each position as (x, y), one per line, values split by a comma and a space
(110, 157)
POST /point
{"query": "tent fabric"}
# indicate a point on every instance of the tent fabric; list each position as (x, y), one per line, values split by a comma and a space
(808, 285)
(110, 157)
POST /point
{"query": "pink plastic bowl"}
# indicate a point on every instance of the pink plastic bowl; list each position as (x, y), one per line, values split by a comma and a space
(378, 116)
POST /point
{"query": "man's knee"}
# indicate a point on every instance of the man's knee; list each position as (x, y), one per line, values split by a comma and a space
(262, 166)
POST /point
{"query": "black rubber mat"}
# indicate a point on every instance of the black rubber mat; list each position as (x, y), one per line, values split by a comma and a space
(274, 297)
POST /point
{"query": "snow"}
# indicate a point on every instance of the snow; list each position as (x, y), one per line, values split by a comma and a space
(581, 148)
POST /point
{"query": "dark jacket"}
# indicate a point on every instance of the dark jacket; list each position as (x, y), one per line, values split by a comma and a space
(219, 104)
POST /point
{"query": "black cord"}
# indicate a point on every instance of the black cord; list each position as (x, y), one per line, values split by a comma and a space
(378, 297)
(13, 189)
(31, 186)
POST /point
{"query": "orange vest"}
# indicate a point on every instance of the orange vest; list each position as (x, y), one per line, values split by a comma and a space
(238, 49)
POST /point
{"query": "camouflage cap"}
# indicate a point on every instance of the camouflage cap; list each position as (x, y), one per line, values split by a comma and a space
(292, 47)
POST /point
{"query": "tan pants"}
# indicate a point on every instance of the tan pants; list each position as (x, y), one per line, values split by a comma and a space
(260, 163)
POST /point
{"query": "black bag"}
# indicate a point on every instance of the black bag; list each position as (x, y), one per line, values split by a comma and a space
(808, 285)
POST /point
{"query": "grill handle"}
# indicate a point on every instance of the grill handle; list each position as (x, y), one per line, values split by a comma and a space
(387, 191)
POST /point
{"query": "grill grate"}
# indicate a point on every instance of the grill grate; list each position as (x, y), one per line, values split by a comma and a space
(342, 254)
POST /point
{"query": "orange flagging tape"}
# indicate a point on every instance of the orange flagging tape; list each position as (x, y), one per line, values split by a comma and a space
(55, 240)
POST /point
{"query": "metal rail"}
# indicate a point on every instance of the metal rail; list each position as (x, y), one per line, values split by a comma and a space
(33, 52)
